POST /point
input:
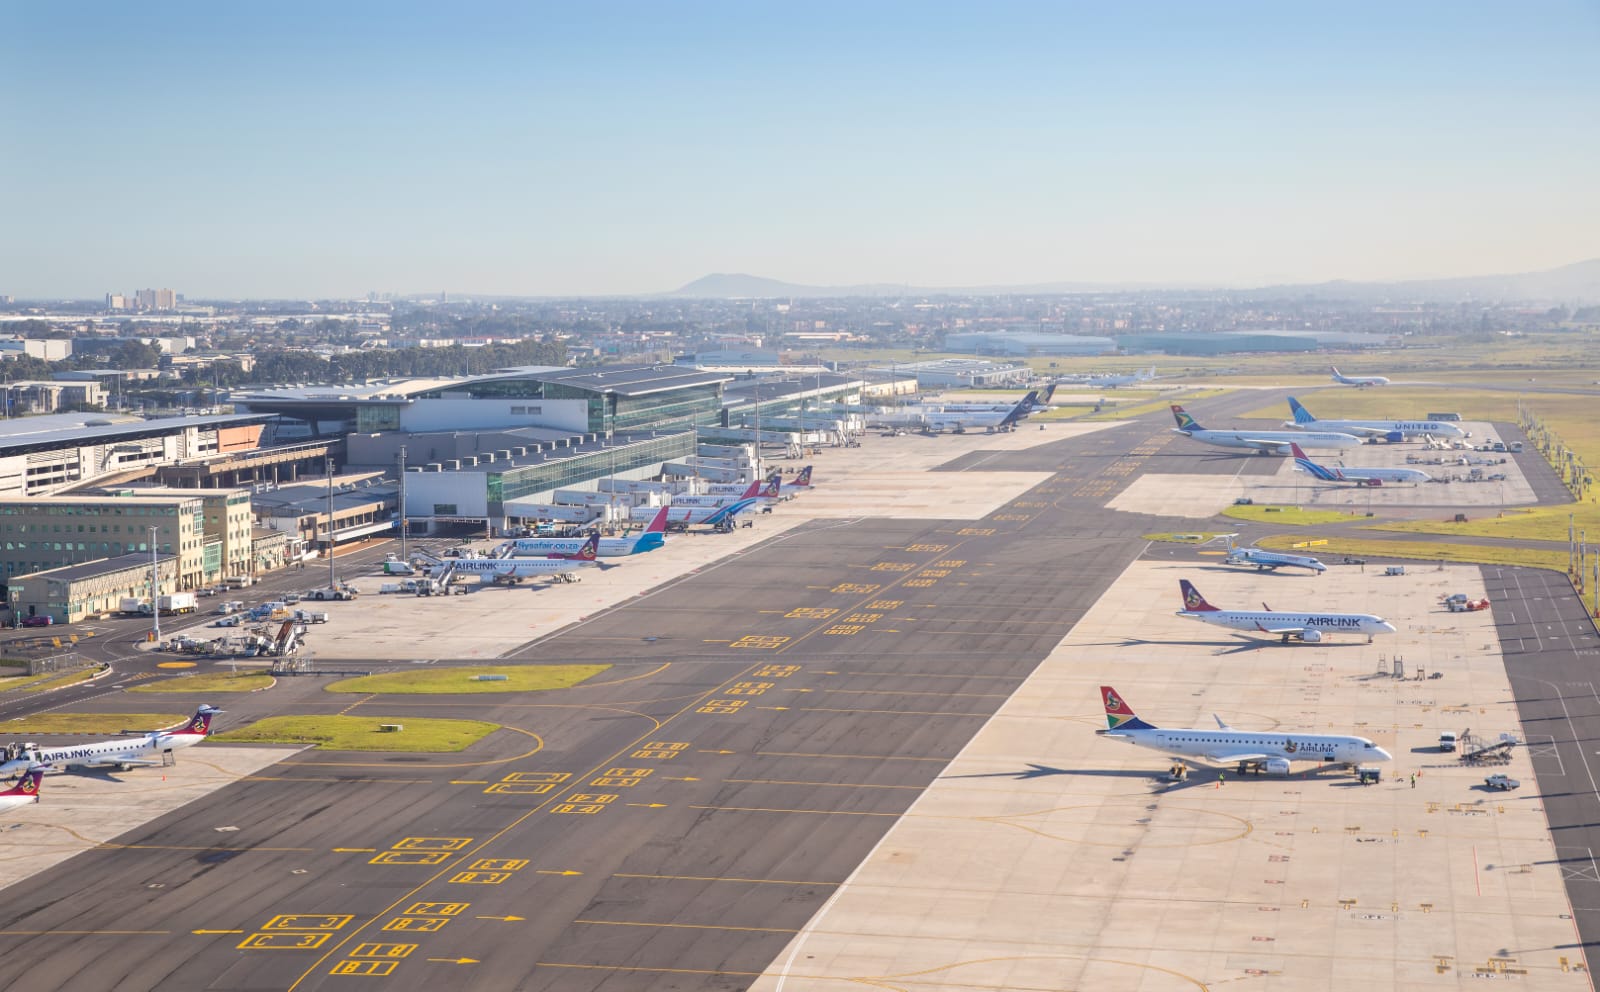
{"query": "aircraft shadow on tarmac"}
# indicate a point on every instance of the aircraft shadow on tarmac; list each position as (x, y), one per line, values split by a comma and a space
(1241, 643)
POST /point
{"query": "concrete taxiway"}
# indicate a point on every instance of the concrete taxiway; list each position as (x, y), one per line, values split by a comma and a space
(693, 818)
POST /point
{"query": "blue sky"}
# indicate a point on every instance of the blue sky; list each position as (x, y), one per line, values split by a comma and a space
(330, 149)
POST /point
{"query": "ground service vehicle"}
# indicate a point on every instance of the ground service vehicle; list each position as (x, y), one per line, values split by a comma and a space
(1447, 741)
(1504, 783)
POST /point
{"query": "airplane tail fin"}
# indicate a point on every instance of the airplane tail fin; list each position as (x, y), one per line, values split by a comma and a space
(658, 523)
(1119, 715)
(1020, 410)
(1301, 414)
(803, 478)
(1316, 471)
(1192, 600)
(770, 490)
(755, 489)
(591, 548)
(1336, 376)
(28, 785)
(1185, 422)
(200, 726)
(1049, 392)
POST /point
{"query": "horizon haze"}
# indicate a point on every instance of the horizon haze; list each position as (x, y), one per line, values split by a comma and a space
(304, 151)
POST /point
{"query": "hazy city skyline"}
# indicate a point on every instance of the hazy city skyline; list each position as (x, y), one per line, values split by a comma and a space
(304, 150)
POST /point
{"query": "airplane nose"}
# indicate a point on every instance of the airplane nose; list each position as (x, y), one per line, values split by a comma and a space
(1383, 755)
(1386, 626)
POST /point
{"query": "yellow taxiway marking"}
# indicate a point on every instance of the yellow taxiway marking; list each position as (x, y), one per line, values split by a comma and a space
(818, 812)
(864, 757)
(200, 932)
(925, 675)
(649, 805)
(363, 699)
(175, 664)
(834, 785)
(708, 640)
(685, 926)
(704, 751)
(674, 778)
(507, 919)
(468, 781)
(538, 746)
(829, 709)
(552, 871)
(631, 678)
(722, 878)
(455, 960)
(194, 847)
(354, 850)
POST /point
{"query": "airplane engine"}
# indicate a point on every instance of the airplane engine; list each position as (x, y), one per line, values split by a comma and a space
(1394, 437)
(1278, 766)
(1374, 483)
(1311, 636)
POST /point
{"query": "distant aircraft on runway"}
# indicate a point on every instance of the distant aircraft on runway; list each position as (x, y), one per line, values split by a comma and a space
(1111, 380)
(1266, 442)
(1270, 561)
(1273, 752)
(1359, 476)
(1358, 380)
(1388, 430)
(25, 791)
(688, 516)
(1307, 627)
(1039, 404)
(129, 752)
(762, 488)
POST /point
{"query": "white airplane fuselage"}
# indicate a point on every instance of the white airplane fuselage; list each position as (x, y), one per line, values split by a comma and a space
(1223, 743)
(1277, 441)
(1271, 621)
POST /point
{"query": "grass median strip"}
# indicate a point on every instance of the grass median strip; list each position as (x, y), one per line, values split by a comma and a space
(363, 733)
(209, 683)
(1428, 551)
(49, 680)
(1290, 516)
(111, 724)
(472, 679)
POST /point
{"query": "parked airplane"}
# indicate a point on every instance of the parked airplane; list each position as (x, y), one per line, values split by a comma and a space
(1359, 476)
(762, 488)
(935, 422)
(1041, 404)
(1111, 380)
(651, 538)
(716, 516)
(1308, 627)
(1358, 380)
(1273, 752)
(801, 483)
(1265, 560)
(25, 791)
(1266, 442)
(129, 752)
(1389, 430)
(510, 571)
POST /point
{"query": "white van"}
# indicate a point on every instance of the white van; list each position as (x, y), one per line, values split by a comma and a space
(1447, 741)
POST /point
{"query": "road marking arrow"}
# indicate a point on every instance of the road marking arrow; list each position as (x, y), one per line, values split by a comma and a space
(649, 805)
(203, 932)
(468, 781)
(686, 778)
(704, 751)
(507, 919)
(455, 960)
(772, 707)
(354, 850)
(547, 871)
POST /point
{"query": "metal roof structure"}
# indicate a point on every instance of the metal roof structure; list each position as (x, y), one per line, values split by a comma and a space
(24, 442)
(623, 380)
(92, 569)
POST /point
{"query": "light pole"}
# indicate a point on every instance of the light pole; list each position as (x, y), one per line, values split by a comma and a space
(403, 556)
(16, 606)
(333, 579)
(155, 583)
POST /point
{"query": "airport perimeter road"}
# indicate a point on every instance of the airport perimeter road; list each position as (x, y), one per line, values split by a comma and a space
(1553, 658)
(671, 825)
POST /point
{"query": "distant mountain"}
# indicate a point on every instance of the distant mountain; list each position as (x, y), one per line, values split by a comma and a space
(1576, 283)
(722, 286)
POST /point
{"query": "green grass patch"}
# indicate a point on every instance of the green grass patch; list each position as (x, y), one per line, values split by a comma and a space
(1478, 554)
(1187, 537)
(49, 680)
(92, 723)
(362, 733)
(1548, 523)
(451, 681)
(1291, 516)
(209, 682)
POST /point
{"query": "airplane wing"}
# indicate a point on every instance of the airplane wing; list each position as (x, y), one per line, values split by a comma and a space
(1280, 631)
(1223, 755)
(1363, 431)
(1263, 444)
(121, 763)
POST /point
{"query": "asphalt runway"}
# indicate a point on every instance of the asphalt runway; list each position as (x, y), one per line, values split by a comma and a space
(670, 825)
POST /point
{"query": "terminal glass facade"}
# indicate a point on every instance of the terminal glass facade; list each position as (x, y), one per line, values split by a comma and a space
(531, 479)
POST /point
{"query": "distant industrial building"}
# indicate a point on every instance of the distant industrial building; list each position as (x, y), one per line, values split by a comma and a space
(1027, 343)
(75, 592)
(47, 349)
(52, 532)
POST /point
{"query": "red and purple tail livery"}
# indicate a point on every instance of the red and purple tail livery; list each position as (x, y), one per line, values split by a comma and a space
(28, 785)
(1192, 600)
(200, 726)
